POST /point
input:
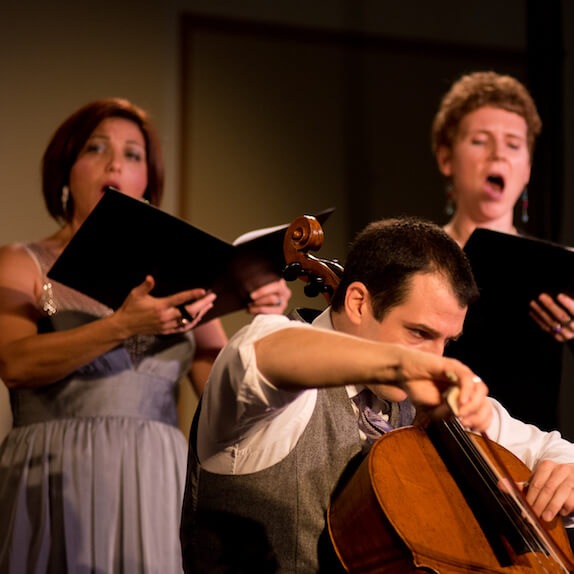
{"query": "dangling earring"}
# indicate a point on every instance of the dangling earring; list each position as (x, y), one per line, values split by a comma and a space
(64, 198)
(524, 206)
(449, 207)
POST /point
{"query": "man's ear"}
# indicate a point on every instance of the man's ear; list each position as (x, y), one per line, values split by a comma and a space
(444, 160)
(357, 302)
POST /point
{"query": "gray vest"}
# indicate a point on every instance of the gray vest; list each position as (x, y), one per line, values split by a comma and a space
(273, 520)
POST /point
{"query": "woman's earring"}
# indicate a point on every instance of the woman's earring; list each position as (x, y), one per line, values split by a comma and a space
(524, 205)
(64, 198)
(449, 207)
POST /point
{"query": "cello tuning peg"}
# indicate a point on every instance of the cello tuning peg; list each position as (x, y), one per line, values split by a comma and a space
(335, 266)
(315, 286)
(292, 271)
(311, 290)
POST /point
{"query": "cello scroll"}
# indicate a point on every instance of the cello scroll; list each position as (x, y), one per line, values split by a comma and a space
(322, 275)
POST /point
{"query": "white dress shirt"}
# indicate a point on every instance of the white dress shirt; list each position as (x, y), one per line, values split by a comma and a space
(247, 424)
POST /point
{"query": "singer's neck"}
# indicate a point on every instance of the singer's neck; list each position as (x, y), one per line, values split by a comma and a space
(460, 228)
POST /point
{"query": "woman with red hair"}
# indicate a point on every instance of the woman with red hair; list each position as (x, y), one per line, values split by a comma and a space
(92, 474)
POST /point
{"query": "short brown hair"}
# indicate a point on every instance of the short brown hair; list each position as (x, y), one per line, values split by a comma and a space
(478, 90)
(388, 253)
(69, 139)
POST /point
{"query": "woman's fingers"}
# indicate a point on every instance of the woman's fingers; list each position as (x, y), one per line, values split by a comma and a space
(145, 287)
(175, 313)
(191, 314)
(554, 315)
(270, 299)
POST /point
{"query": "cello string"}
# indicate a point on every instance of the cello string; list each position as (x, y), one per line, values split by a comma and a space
(555, 551)
(467, 445)
(461, 437)
(490, 475)
(488, 478)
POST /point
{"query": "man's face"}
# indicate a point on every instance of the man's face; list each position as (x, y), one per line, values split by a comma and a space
(427, 320)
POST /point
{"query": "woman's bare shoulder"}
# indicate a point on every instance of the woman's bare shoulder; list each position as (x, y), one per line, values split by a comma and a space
(16, 264)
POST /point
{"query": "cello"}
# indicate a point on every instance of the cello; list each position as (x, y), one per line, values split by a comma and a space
(439, 507)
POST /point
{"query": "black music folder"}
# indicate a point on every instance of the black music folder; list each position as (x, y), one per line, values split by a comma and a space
(124, 239)
(500, 342)
(519, 267)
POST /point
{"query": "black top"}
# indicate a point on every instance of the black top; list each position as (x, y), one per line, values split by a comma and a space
(520, 363)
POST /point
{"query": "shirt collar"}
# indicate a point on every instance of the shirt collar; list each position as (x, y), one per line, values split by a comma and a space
(323, 321)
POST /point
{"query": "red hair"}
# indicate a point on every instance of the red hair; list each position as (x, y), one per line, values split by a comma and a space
(70, 138)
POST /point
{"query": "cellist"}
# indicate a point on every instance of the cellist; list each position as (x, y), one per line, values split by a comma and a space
(286, 414)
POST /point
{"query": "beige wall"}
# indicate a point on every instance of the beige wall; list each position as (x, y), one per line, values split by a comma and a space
(56, 56)
(59, 55)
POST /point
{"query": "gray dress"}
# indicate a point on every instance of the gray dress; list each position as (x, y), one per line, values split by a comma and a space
(92, 474)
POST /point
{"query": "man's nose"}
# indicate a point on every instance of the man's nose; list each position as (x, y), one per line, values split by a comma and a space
(437, 347)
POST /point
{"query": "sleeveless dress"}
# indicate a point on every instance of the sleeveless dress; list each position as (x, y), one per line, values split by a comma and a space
(93, 472)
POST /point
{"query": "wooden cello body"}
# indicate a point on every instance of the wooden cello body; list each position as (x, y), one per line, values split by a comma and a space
(411, 516)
